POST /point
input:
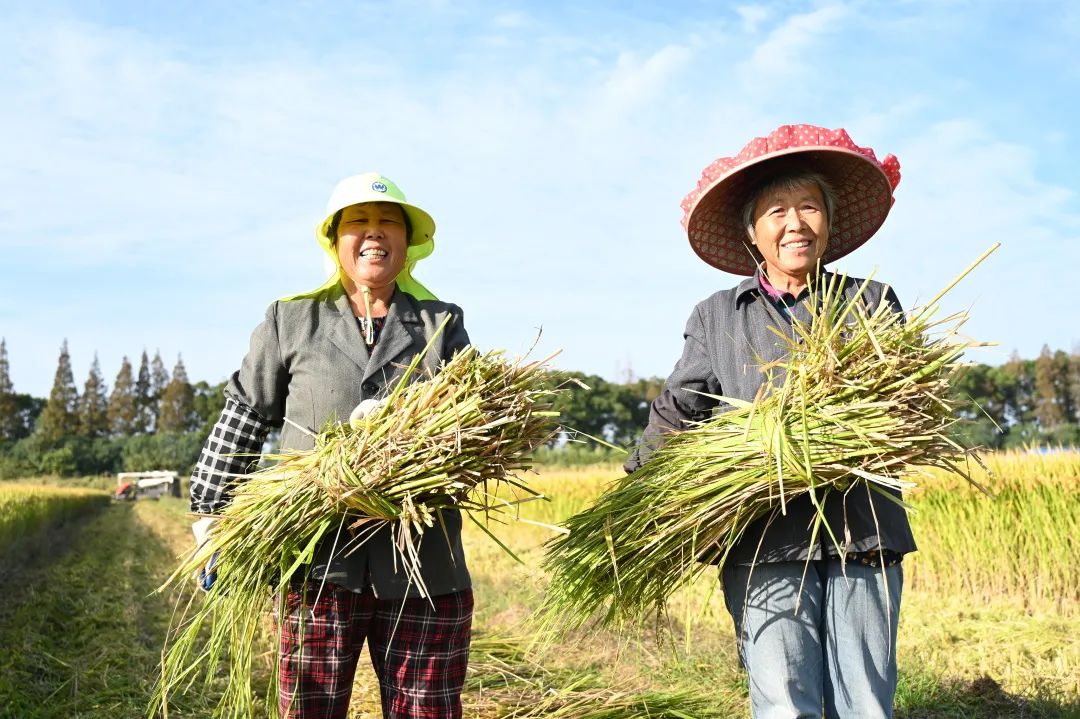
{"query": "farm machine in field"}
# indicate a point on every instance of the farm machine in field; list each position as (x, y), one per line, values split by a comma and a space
(146, 485)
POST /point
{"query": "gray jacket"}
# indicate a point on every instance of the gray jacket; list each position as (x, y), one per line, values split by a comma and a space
(727, 338)
(308, 363)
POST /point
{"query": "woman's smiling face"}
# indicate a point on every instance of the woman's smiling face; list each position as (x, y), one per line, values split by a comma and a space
(372, 240)
(791, 230)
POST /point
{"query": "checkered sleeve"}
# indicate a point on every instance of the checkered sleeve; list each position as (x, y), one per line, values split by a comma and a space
(229, 453)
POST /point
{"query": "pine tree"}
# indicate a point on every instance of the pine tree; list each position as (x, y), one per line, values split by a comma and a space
(144, 402)
(60, 418)
(122, 409)
(94, 404)
(178, 402)
(9, 407)
(1074, 383)
(159, 379)
(1063, 386)
(1047, 409)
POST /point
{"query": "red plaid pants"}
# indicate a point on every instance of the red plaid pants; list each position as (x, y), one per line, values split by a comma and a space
(419, 652)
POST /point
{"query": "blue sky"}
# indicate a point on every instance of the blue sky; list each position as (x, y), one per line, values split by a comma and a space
(164, 164)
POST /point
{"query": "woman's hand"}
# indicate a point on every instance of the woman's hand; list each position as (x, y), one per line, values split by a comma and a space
(365, 408)
(205, 576)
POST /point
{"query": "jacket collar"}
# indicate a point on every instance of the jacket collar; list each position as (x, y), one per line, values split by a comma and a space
(751, 286)
(398, 332)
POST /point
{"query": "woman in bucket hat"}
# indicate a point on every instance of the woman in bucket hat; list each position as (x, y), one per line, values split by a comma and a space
(328, 355)
(778, 211)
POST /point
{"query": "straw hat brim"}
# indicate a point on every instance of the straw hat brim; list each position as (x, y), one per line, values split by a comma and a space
(863, 200)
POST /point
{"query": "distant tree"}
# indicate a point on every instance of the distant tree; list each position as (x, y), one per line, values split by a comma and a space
(644, 391)
(1074, 382)
(1047, 408)
(177, 451)
(983, 394)
(9, 408)
(122, 407)
(1019, 375)
(159, 379)
(28, 410)
(144, 401)
(209, 401)
(178, 402)
(60, 420)
(1062, 371)
(608, 410)
(94, 404)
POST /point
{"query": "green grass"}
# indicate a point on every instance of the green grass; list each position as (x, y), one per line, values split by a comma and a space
(82, 630)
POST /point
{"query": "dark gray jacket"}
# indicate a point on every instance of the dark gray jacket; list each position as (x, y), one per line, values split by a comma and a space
(727, 339)
(308, 363)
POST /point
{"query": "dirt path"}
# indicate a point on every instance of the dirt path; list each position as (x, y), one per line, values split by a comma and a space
(81, 627)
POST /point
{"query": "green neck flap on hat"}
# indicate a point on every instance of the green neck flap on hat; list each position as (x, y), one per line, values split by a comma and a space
(405, 281)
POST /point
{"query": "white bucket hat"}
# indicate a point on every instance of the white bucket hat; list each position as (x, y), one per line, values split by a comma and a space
(375, 187)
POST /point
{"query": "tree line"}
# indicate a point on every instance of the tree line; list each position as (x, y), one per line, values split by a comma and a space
(1023, 402)
(150, 419)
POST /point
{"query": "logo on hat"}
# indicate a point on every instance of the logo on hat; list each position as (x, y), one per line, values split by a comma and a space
(378, 186)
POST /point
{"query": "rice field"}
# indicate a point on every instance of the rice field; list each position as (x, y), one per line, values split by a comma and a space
(1020, 544)
(1023, 543)
(991, 606)
(988, 629)
(27, 509)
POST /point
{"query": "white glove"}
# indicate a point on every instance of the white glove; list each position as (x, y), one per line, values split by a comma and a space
(365, 408)
(201, 529)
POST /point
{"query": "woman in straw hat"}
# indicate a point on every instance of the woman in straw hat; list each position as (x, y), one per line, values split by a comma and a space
(324, 356)
(778, 211)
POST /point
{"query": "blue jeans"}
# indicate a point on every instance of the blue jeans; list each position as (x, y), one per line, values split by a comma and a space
(836, 654)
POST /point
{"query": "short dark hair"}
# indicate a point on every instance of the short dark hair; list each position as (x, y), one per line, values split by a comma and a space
(789, 179)
(331, 231)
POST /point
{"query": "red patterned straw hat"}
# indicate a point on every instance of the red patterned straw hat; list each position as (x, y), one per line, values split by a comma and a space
(863, 186)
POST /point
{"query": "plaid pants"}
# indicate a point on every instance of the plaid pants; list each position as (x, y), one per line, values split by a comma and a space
(419, 653)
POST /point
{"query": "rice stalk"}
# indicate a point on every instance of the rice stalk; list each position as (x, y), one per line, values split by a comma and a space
(504, 683)
(447, 442)
(859, 404)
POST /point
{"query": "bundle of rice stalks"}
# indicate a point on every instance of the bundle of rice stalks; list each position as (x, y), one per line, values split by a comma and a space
(446, 442)
(861, 400)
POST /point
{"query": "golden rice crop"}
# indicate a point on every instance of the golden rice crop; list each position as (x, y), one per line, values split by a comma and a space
(1022, 545)
(862, 399)
(25, 509)
(447, 442)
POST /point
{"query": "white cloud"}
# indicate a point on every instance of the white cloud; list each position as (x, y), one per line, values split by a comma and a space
(753, 16)
(964, 189)
(789, 51)
(176, 186)
(635, 80)
(510, 20)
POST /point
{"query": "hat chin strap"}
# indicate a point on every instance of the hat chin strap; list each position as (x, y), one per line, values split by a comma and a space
(369, 324)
